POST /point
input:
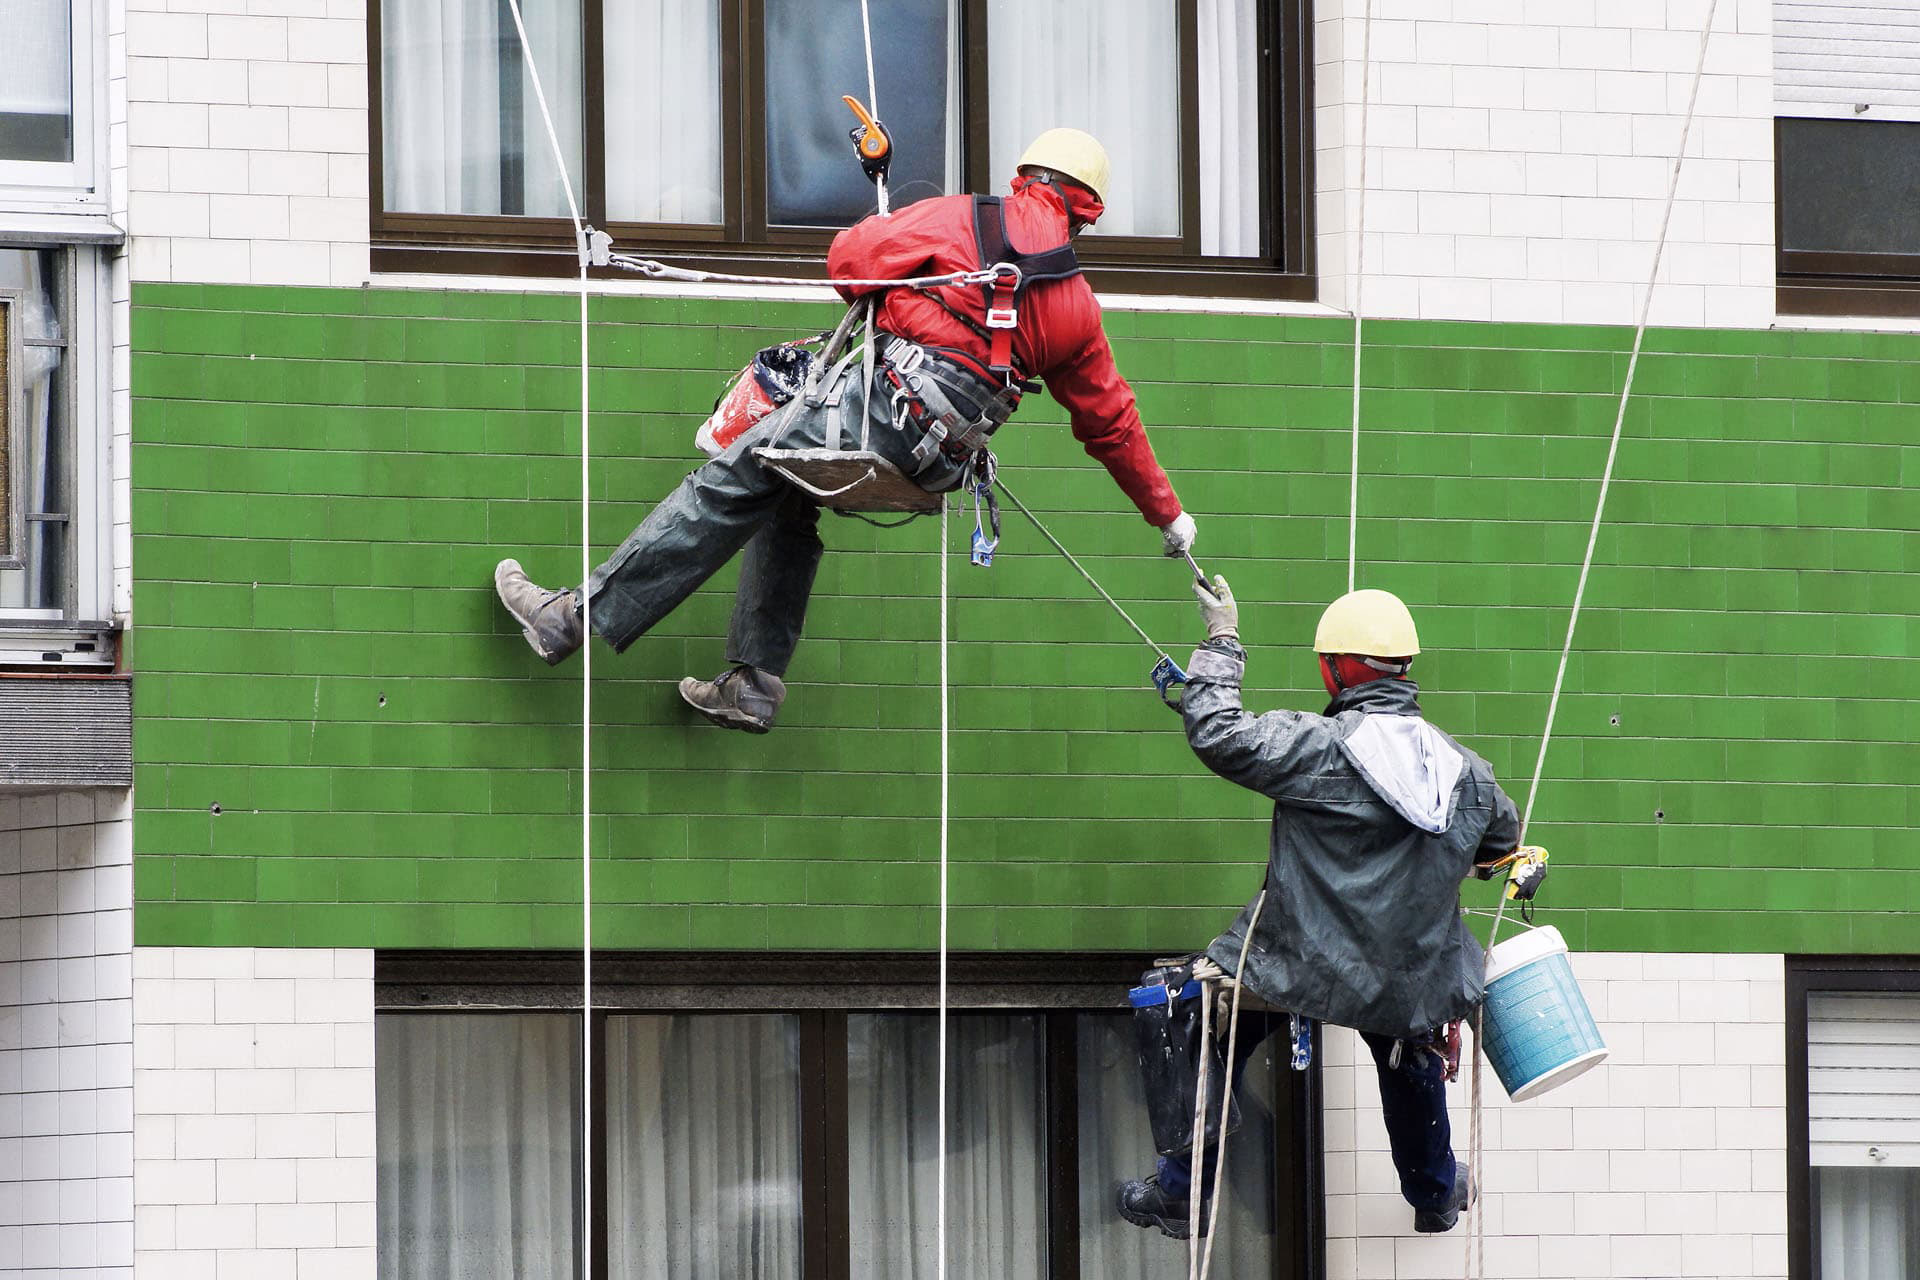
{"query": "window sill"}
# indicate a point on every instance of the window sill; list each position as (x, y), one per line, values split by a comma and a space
(64, 226)
(57, 644)
(1846, 296)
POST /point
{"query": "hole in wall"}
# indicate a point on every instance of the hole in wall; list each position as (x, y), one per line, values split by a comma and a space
(214, 808)
(1659, 815)
(1613, 719)
(382, 700)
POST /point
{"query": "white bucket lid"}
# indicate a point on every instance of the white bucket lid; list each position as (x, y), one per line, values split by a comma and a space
(1523, 949)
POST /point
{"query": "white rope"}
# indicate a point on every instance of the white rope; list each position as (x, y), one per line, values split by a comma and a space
(873, 105)
(658, 270)
(1226, 1094)
(940, 1179)
(586, 671)
(1359, 283)
(1476, 1257)
(1620, 416)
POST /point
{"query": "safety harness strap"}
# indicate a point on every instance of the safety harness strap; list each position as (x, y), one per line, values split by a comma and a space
(1004, 290)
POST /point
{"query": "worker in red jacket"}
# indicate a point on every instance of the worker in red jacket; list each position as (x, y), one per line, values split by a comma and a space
(951, 366)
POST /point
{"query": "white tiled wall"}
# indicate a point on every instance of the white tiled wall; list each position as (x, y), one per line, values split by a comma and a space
(1519, 154)
(253, 1114)
(247, 138)
(1668, 1160)
(66, 1033)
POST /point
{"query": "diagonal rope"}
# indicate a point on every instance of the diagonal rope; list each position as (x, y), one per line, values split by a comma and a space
(1359, 283)
(586, 666)
(1476, 1237)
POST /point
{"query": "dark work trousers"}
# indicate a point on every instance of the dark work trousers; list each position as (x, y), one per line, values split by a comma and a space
(1413, 1101)
(733, 502)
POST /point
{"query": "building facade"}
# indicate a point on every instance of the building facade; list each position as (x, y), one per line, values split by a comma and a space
(293, 360)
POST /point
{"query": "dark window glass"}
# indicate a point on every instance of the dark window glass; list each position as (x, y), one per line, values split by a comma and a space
(815, 53)
(1850, 186)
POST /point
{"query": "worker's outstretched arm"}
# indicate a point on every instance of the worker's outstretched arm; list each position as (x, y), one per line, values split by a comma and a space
(1279, 754)
(1106, 422)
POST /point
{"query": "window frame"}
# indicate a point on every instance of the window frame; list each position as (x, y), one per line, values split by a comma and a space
(486, 244)
(79, 632)
(1826, 283)
(823, 990)
(1806, 975)
(28, 184)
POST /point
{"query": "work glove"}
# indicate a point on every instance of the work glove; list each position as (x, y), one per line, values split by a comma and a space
(1527, 872)
(1219, 608)
(1176, 537)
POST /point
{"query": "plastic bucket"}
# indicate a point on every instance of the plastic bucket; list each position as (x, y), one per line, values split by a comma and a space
(1539, 1031)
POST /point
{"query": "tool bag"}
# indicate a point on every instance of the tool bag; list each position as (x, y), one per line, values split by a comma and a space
(1166, 1029)
(775, 376)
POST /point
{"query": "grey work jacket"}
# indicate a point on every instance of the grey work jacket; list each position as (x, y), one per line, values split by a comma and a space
(1377, 818)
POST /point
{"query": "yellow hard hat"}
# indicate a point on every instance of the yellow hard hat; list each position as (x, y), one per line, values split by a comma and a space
(1367, 623)
(1071, 154)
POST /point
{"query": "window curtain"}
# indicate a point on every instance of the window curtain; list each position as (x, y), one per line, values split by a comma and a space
(703, 1147)
(477, 1117)
(461, 130)
(1116, 1144)
(663, 111)
(1869, 1223)
(1229, 129)
(996, 1173)
(1112, 67)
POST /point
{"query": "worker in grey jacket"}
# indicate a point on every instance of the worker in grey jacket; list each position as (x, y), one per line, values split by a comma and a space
(1378, 817)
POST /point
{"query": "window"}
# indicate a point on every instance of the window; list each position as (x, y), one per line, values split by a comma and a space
(55, 558)
(1853, 1128)
(47, 106)
(785, 1127)
(1847, 157)
(713, 130)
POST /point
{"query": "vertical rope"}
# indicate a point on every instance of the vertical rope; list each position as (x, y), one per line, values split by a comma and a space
(1359, 283)
(940, 1178)
(873, 101)
(586, 668)
(1620, 416)
(1476, 1236)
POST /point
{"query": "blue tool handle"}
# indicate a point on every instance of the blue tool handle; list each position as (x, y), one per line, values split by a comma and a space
(1166, 676)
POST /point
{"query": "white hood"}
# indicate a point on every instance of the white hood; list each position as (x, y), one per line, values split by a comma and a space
(1411, 764)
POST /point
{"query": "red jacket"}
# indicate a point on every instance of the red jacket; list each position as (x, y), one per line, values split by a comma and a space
(1059, 340)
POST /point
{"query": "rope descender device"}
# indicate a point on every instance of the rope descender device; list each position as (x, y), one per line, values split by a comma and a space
(871, 141)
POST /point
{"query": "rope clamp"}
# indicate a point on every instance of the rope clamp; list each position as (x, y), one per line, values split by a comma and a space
(1167, 675)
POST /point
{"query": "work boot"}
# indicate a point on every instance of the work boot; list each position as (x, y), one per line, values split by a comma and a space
(1444, 1219)
(740, 697)
(1145, 1203)
(550, 620)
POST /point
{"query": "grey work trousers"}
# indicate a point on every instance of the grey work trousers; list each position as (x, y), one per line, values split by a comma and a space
(735, 501)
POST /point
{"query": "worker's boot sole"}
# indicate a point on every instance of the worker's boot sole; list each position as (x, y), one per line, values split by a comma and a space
(549, 620)
(725, 717)
(1429, 1221)
(719, 700)
(1168, 1220)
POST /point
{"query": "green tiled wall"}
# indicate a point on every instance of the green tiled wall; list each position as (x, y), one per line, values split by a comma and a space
(342, 742)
